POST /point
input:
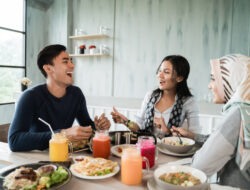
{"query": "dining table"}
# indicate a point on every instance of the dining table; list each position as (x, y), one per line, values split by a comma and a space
(9, 159)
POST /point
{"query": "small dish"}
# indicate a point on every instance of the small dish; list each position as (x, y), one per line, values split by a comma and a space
(117, 150)
(46, 169)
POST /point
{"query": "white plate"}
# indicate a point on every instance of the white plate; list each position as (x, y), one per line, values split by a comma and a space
(115, 171)
(118, 154)
(151, 184)
(189, 153)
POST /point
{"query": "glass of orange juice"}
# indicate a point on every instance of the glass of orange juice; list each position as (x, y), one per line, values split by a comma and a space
(60, 148)
(131, 166)
(101, 144)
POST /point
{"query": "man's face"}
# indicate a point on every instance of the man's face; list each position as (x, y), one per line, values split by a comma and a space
(61, 72)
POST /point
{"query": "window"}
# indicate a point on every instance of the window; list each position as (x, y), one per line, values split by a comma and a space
(12, 48)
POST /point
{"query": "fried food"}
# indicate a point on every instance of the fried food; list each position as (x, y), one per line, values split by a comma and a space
(80, 144)
(94, 166)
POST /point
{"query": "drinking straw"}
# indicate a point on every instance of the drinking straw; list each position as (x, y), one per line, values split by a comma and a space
(47, 125)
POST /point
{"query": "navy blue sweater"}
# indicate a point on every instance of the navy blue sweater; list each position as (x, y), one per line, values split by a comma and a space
(28, 133)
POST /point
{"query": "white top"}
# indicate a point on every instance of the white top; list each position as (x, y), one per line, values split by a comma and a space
(190, 112)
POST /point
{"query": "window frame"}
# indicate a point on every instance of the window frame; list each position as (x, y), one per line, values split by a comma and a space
(25, 47)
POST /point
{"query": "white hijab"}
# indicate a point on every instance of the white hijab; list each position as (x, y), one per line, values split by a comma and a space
(232, 76)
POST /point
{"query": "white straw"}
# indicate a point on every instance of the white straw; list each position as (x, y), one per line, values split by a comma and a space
(46, 124)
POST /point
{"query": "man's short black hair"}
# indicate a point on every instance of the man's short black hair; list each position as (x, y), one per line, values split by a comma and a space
(46, 56)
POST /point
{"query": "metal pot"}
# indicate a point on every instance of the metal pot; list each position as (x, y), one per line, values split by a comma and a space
(127, 137)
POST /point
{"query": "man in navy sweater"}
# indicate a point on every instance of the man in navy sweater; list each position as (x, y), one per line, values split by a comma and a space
(57, 102)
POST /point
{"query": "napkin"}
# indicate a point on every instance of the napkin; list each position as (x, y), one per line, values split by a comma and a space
(185, 161)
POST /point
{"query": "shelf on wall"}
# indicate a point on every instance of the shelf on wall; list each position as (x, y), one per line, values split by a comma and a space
(88, 55)
(91, 36)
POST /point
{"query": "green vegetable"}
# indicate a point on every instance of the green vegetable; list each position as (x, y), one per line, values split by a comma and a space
(99, 173)
(29, 187)
(58, 176)
(107, 171)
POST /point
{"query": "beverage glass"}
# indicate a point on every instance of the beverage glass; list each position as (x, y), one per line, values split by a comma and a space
(60, 148)
(101, 144)
(131, 166)
(148, 149)
(103, 30)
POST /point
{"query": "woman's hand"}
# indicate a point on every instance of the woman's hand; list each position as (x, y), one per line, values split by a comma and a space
(182, 132)
(160, 123)
(118, 117)
(102, 123)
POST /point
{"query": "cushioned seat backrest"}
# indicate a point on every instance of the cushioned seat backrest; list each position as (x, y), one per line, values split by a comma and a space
(4, 132)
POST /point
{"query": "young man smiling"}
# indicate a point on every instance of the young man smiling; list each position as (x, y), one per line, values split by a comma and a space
(57, 102)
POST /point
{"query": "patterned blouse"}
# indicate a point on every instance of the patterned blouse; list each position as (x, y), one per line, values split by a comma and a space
(189, 113)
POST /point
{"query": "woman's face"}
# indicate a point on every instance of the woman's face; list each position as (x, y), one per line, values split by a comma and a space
(214, 88)
(167, 76)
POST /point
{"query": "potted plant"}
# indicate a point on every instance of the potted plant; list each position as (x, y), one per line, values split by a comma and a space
(25, 82)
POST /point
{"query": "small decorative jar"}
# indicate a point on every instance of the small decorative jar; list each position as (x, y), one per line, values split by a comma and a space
(82, 49)
(92, 49)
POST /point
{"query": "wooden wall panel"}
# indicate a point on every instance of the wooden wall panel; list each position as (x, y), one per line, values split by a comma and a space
(147, 31)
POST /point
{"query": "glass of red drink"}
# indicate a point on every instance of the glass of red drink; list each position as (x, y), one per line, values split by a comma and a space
(148, 150)
(101, 144)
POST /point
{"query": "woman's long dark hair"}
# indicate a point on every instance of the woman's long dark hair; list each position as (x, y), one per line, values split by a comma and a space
(182, 68)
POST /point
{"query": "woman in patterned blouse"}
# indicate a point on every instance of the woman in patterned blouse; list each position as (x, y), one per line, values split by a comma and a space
(168, 105)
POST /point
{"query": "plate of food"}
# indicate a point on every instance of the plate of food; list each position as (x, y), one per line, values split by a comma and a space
(173, 144)
(36, 176)
(79, 146)
(178, 177)
(168, 152)
(94, 168)
(118, 149)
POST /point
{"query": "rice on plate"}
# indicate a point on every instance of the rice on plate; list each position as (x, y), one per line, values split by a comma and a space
(16, 179)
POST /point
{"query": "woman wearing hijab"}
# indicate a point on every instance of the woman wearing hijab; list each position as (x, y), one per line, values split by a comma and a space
(227, 150)
(170, 104)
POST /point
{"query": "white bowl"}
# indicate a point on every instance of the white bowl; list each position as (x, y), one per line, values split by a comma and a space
(178, 149)
(179, 168)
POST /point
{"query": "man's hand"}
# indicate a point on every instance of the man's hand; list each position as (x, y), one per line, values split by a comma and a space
(78, 133)
(102, 123)
(118, 117)
(160, 123)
